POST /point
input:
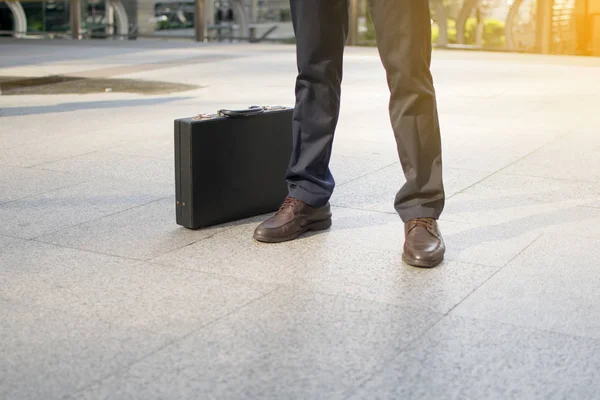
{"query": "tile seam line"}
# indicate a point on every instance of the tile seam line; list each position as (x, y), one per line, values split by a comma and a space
(75, 157)
(548, 177)
(124, 368)
(524, 327)
(60, 159)
(570, 132)
(45, 162)
(363, 209)
(380, 370)
(153, 260)
(496, 273)
(38, 194)
(505, 324)
(150, 260)
(141, 265)
(136, 260)
(291, 286)
(367, 174)
(82, 182)
(99, 152)
(134, 155)
(36, 238)
(41, 193)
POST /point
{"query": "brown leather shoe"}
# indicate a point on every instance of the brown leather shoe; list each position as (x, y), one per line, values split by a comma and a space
(424, 245)
(292, 220)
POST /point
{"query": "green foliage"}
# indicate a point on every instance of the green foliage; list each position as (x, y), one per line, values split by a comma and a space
(173, 25)
(162, 25)
(435, 32)
(369, 35)
(35, 26)
(493, 32)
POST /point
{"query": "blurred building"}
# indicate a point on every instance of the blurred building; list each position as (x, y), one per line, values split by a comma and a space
(545, 26)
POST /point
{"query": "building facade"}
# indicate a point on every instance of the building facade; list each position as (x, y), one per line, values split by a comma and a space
(543, 26)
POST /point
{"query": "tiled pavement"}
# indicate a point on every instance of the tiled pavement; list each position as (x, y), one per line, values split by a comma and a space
(103, 296)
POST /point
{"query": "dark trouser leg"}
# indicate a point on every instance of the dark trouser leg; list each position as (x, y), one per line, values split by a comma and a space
(321, 28)
(403, 33)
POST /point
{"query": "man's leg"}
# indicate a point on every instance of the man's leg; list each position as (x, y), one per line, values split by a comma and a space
(321, 29)
(403, 31)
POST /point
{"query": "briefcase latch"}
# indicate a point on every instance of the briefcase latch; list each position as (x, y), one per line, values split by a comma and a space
(201, 117)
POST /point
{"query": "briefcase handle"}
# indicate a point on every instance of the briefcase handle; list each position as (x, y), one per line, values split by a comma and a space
(248, 112)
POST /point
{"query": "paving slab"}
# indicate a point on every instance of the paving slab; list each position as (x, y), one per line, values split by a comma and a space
(143, 232)
(346, 168)
(524, 204)
(170, 301)
(50, 354)
(571, 158)
(462, 358)
(24, 135)
(493, 246)
(161, 146)
(377, 190)
(31, 270)
(133, 306)
(477, 150)
(374, 150)
(105, 166)
(17, 183)
(43, 152)
(289, 344)
(360, 257)
(550, 286)
(63, 208)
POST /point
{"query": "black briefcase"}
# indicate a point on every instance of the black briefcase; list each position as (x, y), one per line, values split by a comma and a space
(231, 165)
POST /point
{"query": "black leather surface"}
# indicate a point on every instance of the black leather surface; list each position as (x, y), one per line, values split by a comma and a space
(228, 169)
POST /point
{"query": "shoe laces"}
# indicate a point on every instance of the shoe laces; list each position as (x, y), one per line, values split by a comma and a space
(427, 223)
(289, 202)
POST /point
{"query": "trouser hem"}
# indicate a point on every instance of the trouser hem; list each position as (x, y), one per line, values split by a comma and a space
(311, 199)
(419, 212)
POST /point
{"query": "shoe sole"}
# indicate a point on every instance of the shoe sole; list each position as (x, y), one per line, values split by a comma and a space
(316, 226)
(422, 263)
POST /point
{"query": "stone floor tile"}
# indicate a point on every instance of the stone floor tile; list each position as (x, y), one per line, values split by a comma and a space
(345, 168)
(59, 209)
(27, 135)
(552, 285)
(360, 257)
(141, 233)
(162, 147)
(48, 354)
(105, 165)
(57, 148)
(29, 270)
(462, 358)
(290, 344)
(376, 150)
(526, 189)
(16, 183)
(574, 157)
(377, 190)
(469, 149)
(491, 245)
(171, 301)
